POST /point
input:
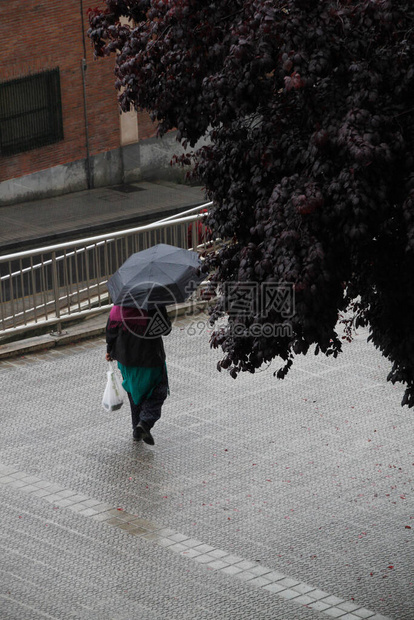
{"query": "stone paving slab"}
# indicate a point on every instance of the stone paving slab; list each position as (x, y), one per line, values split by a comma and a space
(261, 499)
(229, 565)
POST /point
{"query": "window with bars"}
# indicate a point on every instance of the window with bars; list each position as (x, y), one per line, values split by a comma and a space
(30, 112)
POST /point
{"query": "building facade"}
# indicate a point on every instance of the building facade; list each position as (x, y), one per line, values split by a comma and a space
(60, 125)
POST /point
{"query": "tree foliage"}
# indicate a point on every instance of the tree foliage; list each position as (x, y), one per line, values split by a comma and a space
(309, 109)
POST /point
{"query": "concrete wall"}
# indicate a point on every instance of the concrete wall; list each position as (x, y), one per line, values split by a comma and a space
(145, 160)
(150, 159)
(106, 169)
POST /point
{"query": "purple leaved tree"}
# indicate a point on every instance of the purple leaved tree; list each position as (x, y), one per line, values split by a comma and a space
(309, 108)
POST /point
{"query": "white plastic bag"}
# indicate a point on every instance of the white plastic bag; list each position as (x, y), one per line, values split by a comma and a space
(113, 396)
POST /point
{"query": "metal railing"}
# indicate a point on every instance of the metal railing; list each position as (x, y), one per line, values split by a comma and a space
(67, 281)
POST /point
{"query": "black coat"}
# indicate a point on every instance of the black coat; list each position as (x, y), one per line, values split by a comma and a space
(141, 345)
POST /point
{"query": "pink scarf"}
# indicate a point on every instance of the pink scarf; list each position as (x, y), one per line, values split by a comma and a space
(131, 318)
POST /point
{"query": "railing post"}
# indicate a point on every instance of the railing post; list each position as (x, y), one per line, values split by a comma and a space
(194, 235)
(58, 331)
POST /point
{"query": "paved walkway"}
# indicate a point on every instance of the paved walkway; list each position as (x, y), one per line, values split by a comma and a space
(80, 214)
(262, 499)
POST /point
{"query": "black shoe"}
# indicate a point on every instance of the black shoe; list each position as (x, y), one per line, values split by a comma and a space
(137, 433)
(145, 433)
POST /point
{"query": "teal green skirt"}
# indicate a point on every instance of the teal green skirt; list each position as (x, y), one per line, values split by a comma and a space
(139, 381)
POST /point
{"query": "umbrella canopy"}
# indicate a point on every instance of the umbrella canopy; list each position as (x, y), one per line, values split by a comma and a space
(158, 276)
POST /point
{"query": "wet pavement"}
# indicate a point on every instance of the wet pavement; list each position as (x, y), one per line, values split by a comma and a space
(81, 214)
(262, 499)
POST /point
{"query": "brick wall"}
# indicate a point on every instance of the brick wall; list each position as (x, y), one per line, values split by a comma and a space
(37, 35)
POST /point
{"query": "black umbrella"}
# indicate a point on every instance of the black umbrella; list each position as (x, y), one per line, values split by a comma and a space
(160, 275)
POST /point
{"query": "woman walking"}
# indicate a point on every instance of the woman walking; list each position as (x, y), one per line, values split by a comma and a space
(134, 339)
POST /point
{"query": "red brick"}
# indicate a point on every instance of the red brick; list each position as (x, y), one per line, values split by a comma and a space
(37, 35)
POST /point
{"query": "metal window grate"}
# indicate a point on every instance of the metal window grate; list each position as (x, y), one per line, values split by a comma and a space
(30, 112)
